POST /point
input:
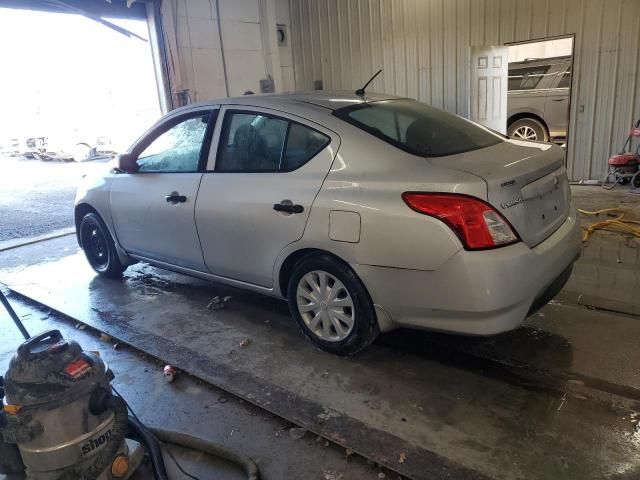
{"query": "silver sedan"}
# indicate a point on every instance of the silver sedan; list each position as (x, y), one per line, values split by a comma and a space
(366, 213)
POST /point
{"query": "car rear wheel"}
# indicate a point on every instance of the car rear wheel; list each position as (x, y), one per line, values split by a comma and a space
(528, 129)
(99, 247)
(331, 305)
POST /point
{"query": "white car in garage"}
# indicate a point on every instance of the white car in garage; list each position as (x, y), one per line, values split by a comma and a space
(365, 212)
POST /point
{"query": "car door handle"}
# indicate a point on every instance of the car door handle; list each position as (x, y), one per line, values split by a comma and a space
(175, 198)
(287, 206)
(558, 99)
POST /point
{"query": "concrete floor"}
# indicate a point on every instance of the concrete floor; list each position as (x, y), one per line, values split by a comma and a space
(566, 383)
(192, 406)
(607, 276)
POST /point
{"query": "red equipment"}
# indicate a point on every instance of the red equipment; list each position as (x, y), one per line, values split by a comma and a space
(625, 166)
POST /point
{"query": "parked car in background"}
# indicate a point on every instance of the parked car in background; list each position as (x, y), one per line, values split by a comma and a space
(58, 147)
(11, 147)
(16, 146)
(83, 151)
(79, 146)
(365, 212)
(538, 99)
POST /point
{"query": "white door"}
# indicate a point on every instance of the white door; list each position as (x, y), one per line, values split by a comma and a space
(489, 74)
(153, 209)
(266, 172)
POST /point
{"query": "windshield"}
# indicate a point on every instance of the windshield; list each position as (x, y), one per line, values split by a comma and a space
(418, 128)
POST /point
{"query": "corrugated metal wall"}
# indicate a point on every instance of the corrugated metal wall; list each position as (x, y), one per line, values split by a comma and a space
(423, 47)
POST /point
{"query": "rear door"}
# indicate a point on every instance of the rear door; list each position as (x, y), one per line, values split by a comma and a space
(556, 110)
(258, 190)
(153, 209)
(528, 88)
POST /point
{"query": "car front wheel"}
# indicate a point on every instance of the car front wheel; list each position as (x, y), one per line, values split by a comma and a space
(99, 247)
(331, 305)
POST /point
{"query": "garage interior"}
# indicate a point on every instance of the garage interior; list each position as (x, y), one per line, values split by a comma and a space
(557, 398)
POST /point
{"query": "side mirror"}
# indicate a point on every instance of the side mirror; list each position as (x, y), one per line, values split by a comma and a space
(127, 163)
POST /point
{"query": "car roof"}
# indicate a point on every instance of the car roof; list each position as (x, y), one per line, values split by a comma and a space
(326, 100)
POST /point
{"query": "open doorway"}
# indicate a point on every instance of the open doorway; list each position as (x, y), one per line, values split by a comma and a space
(73, 93)
(528, 97)
(539, 90)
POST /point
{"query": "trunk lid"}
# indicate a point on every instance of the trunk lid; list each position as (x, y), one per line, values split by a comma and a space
(526, 182)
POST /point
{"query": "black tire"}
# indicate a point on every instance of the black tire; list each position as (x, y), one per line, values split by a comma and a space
(365, 324)
(518, 128)
(99, 247)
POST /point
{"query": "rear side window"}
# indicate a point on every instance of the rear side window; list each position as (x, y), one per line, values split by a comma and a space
(565, 80)
(254, 142)
(526, 78)
(303, 143)
(251, 143)
(418, 128)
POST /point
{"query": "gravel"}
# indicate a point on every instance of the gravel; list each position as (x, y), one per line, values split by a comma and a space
(37, 197)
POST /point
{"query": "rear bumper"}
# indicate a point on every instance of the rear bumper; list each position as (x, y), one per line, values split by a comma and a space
(552, 290)
(477, 293)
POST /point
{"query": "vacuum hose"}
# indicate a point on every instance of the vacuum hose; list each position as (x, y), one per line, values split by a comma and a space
(150, 436)
(214, 449)
(142, 434)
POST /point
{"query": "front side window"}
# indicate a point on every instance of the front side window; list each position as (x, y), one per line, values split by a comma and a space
(418, 128)
(526, 78)
(255, 142)
(177, 149)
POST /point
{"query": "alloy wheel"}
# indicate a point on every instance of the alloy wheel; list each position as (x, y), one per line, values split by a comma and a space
(325, 305)
(525, 132)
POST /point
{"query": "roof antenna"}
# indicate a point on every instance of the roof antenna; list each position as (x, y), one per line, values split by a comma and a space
(360, 91)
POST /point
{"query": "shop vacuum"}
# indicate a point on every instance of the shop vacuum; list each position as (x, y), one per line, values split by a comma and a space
(62, 420)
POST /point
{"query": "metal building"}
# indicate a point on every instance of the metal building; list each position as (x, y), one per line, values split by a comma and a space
(423, 47)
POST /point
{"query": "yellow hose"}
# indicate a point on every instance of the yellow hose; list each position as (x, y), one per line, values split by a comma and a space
(616, 225)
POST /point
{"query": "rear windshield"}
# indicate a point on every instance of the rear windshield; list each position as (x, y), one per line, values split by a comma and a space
(418, 128)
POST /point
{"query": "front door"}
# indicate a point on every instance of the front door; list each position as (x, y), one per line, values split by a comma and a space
(489, 72)
(256, 198)
(153, 209)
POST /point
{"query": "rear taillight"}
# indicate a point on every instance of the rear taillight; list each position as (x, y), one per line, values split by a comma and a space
(476, 223)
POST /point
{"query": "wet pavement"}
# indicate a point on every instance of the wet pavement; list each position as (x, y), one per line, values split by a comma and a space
(469, 416)
(608, 274)
(557, 398)
(192, 406)
(563, 342)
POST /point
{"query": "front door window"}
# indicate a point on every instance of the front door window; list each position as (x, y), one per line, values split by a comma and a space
(177, 149)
